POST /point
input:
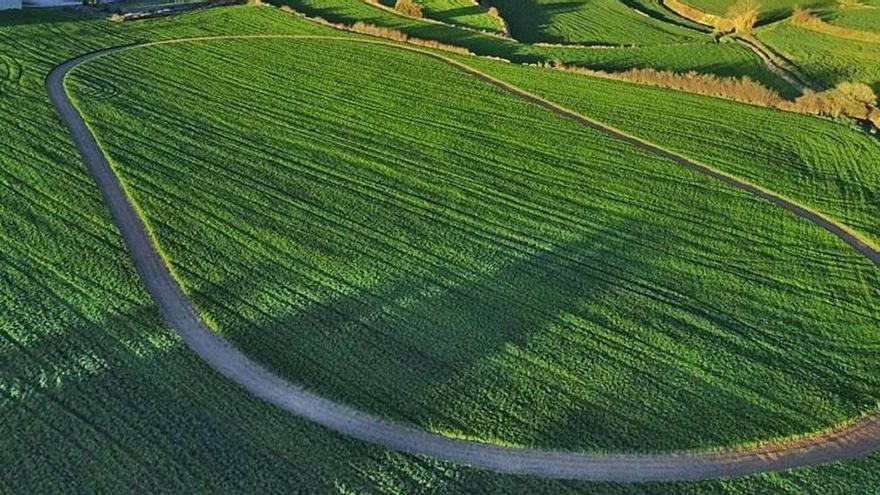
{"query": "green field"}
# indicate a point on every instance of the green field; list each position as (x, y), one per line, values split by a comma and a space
(706, 56)
(792, 154)
(865, 17)
(866, 20)
(99, 396)
(591, 22)
(459, 13)
(825, 59)
(482, 267)
(771, 10)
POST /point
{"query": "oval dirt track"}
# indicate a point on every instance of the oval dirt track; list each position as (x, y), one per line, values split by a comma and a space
(853, 440)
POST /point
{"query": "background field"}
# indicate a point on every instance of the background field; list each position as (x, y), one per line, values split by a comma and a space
(608, 22)
(825, 59)
(706, 56)
(771, 10)
(865, 16)
(466, 13)
(98, 395)
(481, 266)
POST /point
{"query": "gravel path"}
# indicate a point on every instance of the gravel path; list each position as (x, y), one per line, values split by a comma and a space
(853, 440)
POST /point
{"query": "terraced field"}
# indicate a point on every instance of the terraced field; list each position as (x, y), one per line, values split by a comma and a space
(865, 17)
(459, 13)
(319, 226)
(601, 22)
(701, 55)
(771, 10)
(825, 59)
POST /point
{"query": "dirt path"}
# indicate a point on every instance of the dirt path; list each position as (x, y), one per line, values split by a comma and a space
(782, 69)
(854, 440)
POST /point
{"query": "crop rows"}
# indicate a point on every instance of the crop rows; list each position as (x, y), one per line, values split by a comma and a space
(610, 22)
(826, 59)
(701, 54)
(96, 395)
(865, 16)
(828, 165)
(476, 265)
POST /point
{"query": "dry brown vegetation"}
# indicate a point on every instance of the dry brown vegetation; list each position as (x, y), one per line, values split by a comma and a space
(855, 100)
(741, 18)
(494, 13)
(738, 89)
(691, 13)
(848, 99)
(409, 8)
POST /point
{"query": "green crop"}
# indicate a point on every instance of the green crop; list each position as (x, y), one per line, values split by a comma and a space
(610, 22)
(825, 59)
(97, 395)
(477, 265)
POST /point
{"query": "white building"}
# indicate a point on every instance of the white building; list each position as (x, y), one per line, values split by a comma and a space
(10, 4)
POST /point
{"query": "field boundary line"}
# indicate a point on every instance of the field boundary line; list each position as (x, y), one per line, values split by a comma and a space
(857, 438)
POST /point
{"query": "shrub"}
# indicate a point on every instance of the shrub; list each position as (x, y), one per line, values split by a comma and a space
(408, 8)
(855, 100)
(743, 16)
(743, 90)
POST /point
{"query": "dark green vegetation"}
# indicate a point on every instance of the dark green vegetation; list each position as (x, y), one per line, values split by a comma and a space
(480, 266)
(602, 22)
(99, 396)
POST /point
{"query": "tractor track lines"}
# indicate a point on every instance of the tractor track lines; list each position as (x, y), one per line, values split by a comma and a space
(854, 439)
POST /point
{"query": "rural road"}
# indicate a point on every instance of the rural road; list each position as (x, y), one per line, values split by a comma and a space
(856, 439)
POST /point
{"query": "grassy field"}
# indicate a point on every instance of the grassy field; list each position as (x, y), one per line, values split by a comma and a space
(829, 165)
(771, 10)
(723, 59)
(826, 59)
(601, 22)
(865, 17)
(481, 266)
(464, 13)
(99, 396)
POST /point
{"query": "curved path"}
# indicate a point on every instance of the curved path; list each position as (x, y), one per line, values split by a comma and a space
(856, 439)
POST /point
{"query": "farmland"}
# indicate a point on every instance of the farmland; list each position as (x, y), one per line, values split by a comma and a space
(459, 13)
(771, 10)
(865, 17)
(588, 22)
(791, 154)
(383, 206)
(701, 54)
(826, 59)
(369, 246)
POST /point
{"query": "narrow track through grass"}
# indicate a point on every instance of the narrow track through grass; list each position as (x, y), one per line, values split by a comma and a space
(324, 272)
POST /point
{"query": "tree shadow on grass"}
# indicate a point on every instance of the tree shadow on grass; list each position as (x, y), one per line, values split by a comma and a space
(498, 356)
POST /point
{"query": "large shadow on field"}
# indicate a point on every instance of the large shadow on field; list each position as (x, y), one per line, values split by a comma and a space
(529, 21)
(497, 357)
